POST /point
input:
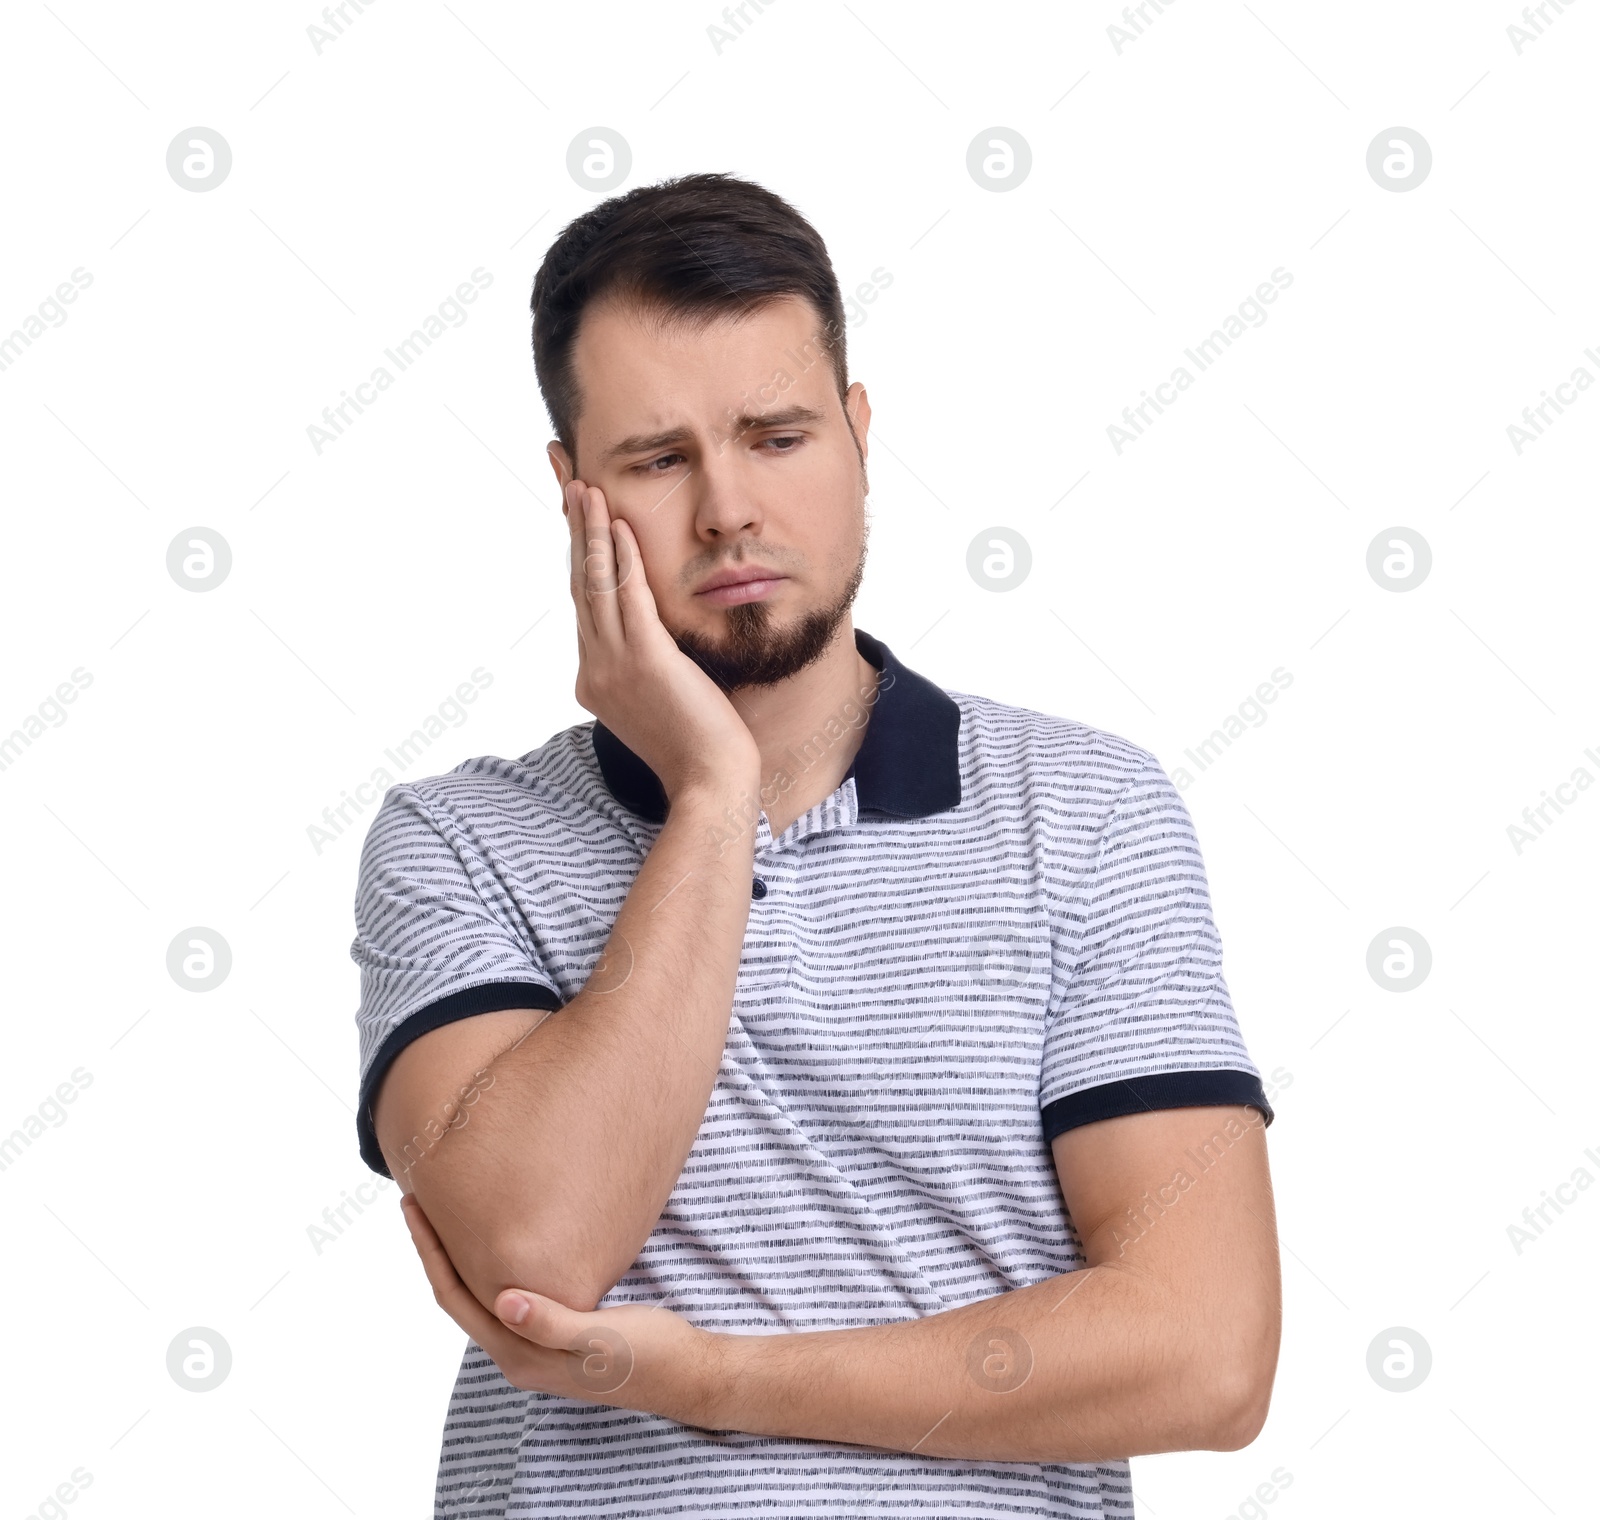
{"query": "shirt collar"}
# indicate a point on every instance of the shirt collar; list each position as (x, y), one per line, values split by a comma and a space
(908, 765)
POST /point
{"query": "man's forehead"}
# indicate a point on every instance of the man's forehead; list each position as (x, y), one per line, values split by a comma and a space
(632, 339)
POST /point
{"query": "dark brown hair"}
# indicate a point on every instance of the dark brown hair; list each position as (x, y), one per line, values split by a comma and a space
(694, 247)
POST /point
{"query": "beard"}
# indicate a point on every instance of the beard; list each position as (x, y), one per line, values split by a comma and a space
(754, 653)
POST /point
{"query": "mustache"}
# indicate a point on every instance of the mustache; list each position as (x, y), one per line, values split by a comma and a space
(693, 574)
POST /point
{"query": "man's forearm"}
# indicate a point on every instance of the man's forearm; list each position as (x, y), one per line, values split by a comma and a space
(1091, 1366)
(558, 1171)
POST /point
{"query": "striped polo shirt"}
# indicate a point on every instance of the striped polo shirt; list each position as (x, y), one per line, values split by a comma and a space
(996, 928)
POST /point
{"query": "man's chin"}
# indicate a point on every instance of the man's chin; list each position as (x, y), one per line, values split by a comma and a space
(751, 652)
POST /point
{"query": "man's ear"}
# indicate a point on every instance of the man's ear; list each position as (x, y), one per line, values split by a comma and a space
(560, 462)
(858, 412)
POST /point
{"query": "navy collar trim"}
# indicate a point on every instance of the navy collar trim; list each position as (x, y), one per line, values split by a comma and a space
(908, 765)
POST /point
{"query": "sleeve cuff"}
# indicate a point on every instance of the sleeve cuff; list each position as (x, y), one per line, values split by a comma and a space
(486, 997)
(1166, 1089)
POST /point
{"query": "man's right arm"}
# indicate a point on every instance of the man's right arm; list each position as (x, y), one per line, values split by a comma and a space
(543, 1146)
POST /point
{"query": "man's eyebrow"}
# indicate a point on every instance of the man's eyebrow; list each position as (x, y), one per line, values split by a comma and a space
(646, 443)
(786, 416)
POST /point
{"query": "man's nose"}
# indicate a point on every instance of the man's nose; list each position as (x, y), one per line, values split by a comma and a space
(724, 504)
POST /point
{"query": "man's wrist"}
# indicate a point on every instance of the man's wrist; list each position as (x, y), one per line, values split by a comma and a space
(722, 813)
(718, 1372)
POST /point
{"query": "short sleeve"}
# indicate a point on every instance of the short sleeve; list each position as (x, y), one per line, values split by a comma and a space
(436, 941)
(1146, 1021)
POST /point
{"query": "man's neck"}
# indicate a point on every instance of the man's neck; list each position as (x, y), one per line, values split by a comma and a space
(809, 728)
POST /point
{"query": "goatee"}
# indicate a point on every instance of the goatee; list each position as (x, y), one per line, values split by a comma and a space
(754, 654)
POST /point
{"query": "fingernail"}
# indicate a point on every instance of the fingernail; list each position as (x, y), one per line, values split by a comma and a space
(515, 1309)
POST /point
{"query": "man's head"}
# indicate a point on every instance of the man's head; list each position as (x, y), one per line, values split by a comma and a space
(689, 341)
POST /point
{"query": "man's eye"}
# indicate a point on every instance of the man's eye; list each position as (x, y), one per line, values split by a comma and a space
(649, 468)
(790, 438)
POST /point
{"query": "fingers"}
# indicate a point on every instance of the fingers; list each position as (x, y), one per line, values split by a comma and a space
(508, 1350)
(540, 1320)
(452, 1294)
(635, 601)
(573, 493)
(600, 566)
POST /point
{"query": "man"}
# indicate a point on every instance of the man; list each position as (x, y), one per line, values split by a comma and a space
(813, 1091)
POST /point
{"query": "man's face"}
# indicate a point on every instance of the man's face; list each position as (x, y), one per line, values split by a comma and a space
(725, 448)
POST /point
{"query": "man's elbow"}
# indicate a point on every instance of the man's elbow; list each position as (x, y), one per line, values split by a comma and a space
(557, 1271)
(492, 1252)
(1236, 1407)
(1235, 1389)
(489, 1256)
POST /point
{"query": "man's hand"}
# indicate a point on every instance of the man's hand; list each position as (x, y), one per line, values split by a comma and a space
(581, 1122)
(632, 675)
(630, 1357)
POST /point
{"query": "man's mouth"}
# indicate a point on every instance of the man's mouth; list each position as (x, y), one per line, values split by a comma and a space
(744, 583)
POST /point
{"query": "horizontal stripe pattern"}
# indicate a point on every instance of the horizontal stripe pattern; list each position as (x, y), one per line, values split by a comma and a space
(919, 999)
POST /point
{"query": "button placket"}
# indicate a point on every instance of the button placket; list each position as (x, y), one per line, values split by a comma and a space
(763, 846)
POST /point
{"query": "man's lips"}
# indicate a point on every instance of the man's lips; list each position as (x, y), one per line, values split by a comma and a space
(729, 588)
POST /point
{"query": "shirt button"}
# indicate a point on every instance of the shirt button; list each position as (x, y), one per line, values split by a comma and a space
(758, 889)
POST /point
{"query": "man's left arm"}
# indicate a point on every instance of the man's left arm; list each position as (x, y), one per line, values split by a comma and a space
(1166, 1341)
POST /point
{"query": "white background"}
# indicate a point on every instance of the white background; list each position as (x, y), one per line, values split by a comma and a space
(1168, 180)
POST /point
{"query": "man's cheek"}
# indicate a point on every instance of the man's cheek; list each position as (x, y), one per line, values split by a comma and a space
(651, 531)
